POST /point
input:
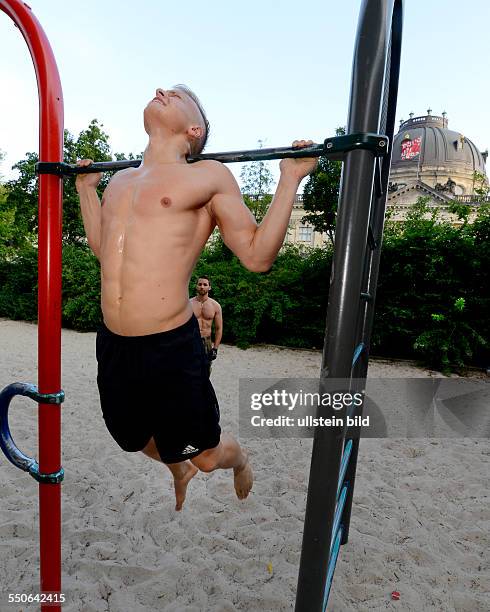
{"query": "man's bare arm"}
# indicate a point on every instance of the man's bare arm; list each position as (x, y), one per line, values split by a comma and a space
(90, 206)
(218, 326)
(257, 245)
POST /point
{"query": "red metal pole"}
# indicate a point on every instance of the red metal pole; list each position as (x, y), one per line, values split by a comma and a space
(49, 296)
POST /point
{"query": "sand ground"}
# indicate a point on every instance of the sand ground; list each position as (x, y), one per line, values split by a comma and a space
(420, 519)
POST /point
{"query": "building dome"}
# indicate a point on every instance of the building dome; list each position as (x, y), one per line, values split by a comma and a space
(424, 149)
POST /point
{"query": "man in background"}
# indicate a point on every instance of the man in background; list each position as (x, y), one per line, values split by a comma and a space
(208, 311)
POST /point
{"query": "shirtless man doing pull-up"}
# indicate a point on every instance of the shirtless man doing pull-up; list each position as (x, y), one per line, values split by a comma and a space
(148, 233)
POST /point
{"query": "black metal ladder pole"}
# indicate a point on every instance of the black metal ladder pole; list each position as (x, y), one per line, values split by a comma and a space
(351, 233)
(370, 281)
(344, 296)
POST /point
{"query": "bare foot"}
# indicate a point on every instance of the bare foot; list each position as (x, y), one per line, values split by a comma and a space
(181, 482)
(244, 478)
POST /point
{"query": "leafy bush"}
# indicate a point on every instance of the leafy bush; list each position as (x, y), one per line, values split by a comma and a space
(433, 294)
(432, 300)
(18, 284)
(81, 289)
(272, 307)
(450, 340)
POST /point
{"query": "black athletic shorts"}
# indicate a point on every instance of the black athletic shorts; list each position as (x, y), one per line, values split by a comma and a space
(158, 385)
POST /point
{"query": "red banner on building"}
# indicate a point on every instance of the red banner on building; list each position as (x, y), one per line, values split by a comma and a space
(411, 148)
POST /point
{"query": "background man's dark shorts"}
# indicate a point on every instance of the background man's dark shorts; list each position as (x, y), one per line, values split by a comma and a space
(158, 385)
(208, 347)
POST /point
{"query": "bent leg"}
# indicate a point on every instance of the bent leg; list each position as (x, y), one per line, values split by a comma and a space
(182, 472)
(228, 455)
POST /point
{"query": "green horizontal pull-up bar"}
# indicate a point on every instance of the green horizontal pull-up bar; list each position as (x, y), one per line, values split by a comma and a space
(333, 148)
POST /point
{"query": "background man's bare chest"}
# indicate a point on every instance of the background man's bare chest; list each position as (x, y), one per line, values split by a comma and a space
(203, 310)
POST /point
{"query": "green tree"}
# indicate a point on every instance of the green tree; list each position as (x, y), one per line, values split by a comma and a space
(92, 143)
(22, 193)
(21, 201)
(461, 210)
(321, 195)
(481, 190)
(480, 186)
(6, 220)
(257, 182)
(18, 265)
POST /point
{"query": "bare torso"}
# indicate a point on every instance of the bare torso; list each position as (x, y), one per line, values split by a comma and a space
(155, 223)
(205, 312)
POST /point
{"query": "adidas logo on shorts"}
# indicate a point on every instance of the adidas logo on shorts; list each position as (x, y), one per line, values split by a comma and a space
(189, 449)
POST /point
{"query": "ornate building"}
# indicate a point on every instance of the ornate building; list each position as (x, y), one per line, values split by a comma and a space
(431, 160)
(428, 160)
(299, 232)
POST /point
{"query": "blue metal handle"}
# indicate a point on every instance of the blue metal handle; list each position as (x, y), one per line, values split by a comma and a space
(358, 353)
(13, 454)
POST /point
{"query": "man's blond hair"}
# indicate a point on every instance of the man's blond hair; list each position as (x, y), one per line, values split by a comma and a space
(198, 145)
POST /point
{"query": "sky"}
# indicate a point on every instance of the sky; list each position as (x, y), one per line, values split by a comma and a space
(270, 71)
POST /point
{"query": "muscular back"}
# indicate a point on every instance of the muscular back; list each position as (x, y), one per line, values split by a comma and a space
(154, 225)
